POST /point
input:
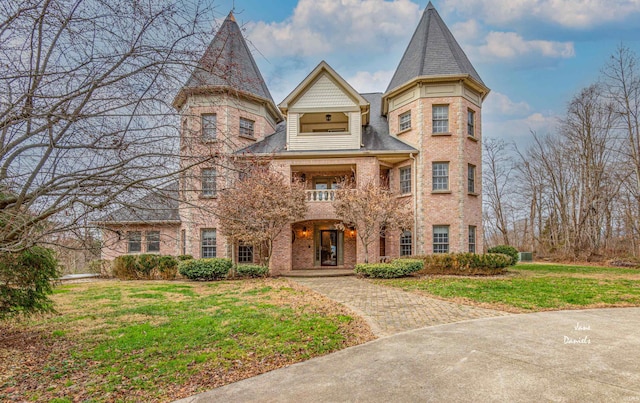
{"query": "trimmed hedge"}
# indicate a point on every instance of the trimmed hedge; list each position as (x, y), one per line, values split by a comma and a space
(251, 271)
(145, 267)
(205, 269)
(394, 269)
(465, 264)
(506, 250)
(185, 257)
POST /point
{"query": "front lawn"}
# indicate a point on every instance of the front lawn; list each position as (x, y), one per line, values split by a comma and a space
(535, 287)
(159, 341)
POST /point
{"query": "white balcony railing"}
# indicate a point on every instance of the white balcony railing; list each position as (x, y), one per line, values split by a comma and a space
(316, 195)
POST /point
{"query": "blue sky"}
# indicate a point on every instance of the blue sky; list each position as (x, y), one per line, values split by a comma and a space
(535, 55)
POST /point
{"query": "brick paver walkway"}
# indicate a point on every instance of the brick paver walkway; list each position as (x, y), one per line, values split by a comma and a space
(388, 310)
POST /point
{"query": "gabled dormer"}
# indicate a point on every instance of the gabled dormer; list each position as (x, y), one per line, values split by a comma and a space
(324, 113)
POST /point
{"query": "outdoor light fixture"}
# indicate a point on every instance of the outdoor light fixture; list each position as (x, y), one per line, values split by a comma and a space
(328, 117)
(304, 231)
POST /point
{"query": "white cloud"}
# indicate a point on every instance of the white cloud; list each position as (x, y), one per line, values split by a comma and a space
(509, 45)
(324, 26)
(364, 81)
(519, 130)
(576, 14)
(501, 105)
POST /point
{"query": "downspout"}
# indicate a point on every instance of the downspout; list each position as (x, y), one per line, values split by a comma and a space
(414, 169)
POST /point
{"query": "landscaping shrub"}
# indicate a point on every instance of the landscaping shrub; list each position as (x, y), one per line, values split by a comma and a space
(205, 269)
(145, 265)
(507, 250)
(167, 267)
(124, 267)
(26, 279)
(100, 266)
(464, 264)
(184, 257)
(251, 270)
(394, 269)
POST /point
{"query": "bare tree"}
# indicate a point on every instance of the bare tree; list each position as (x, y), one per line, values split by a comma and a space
(370, 207)
(85, 114)
(498, 184)
(259, 207)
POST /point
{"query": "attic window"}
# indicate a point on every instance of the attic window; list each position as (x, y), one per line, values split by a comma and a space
(324, 122)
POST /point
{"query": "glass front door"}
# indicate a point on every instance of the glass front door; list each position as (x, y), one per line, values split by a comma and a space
(328, 247)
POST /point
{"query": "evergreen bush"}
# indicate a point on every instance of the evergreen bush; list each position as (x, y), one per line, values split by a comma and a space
(205, 269)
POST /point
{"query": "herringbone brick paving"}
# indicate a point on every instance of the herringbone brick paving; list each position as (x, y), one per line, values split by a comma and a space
(389, 310)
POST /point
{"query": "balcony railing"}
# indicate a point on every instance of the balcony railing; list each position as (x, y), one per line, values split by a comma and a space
(316, 195)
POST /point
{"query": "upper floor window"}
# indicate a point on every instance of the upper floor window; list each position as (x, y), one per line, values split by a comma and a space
(208, 181)
(405, 121)
(209, 126)
(440, 176)
(440, 118)
(405, 244)
(153, 241)
(440, 239)
(246, 127)
(405, 180)
(134, 239)
(472, 239)
(471, 178)
(471, 123)
(208, 243)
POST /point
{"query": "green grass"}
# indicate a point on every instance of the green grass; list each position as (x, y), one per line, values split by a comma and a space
(142, 340)
(536, 287)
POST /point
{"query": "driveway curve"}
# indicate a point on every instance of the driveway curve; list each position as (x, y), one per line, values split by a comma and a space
(564, 356)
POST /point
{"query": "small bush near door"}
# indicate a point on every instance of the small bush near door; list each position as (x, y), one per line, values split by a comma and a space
(251, 271)
(205, 269)
(395, 269)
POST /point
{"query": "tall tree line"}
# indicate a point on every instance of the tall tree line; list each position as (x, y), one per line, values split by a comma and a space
(574, 193)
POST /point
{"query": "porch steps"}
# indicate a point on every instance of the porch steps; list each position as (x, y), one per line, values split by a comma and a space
(319, 273)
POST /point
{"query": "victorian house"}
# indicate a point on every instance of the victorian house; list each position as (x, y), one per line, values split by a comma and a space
(422, 136)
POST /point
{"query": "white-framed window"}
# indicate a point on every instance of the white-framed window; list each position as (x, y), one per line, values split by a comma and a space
(245, 253)
(134, 241)
(405, 180)
(246, 127)
(472, 239)
(209, 123)
(208, 243)
(440, 239)
(405, 121)
(440, 118)
(471, 178)
(406, 244)
(440, 176)
(153, 241)
(208, 181)
(471, 122)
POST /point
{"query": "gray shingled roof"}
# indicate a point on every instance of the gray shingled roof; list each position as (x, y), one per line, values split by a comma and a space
(229, 63)
(433, 51)
(375, 135)
(159, 206)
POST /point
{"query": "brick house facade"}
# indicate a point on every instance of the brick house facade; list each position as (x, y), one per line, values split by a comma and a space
(423, 134)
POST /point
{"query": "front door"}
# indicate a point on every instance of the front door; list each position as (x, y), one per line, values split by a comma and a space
(328, 247)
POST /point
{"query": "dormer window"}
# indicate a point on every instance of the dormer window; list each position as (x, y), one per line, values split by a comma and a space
(324, 122)
(246, 127)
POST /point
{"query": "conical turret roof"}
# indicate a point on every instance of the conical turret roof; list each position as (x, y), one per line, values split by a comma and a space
(433, 51)
(227, 63)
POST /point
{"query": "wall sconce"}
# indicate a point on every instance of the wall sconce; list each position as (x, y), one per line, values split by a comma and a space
(351, 232)
(328, 117)
(304, 232)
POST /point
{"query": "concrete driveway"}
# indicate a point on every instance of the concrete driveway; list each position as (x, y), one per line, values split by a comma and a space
(567, 356)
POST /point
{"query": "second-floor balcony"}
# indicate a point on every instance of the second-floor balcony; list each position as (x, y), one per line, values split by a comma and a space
(321, 195)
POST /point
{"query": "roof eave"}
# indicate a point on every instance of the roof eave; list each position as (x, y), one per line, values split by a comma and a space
(334, 153)
(142, 222)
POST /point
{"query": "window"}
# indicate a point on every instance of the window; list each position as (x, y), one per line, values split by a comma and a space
(135, 241)
(471, 178)
(440, 118)
(245, 253)
(472, 239)
(405, 180)
(208, 182)
(183, 238)
(440, 239)
(405, 244)
(405, 121)
(208, 243)
(153, 241)
(246, 127)
(440, 176)
(471, 123)
(208, 126)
